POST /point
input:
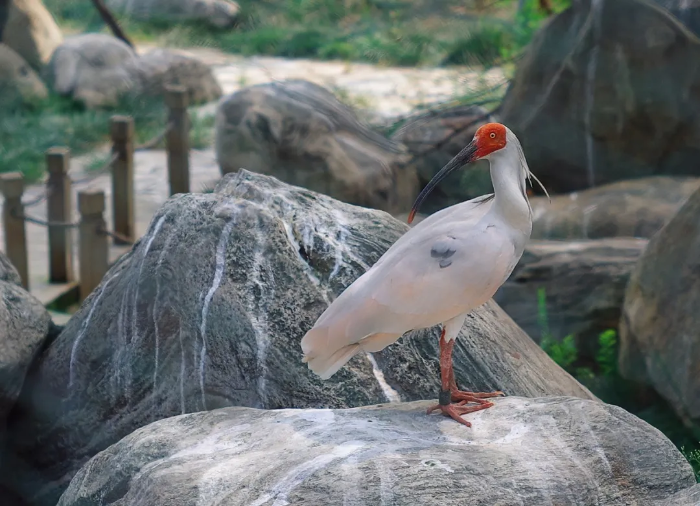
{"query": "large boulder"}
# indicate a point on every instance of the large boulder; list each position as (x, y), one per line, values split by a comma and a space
(207, 311)
(18, 81)
(218, 13)
(563, 451)
(433, 139)
(157, 69)
(31, 31)
(24, 325)
(300, 133)
(607, 90)
(686, 11)
(583, 283)
(98, 70)
(660, 323)
(91, 68)
(632, 208)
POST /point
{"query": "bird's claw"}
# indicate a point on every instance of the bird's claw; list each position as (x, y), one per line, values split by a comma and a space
(455, 411)
(460, 395)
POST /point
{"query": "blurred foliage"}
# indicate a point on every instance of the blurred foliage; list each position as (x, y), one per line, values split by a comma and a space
(602, 379)
(26, 132)
(399, 32)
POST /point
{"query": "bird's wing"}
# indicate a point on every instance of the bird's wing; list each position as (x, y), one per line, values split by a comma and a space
(429, 276)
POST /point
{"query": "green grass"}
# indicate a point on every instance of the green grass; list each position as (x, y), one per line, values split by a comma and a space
(389, 32)
(602, 378)
(27, 132)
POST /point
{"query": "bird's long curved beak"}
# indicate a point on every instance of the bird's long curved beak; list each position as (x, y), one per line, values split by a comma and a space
(467, 155)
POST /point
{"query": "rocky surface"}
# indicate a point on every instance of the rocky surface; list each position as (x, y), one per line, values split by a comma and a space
(302, 134)
(631, 208)
(24, 325)
(218, 13)
(660, 323)
(263, 260)
(18, 81)
(433, 140)
(583, 283)
(99, 69)
(31, 31)
(559, 450)
(153, 71)
(91, 69)
(686, 11)
(596, 100)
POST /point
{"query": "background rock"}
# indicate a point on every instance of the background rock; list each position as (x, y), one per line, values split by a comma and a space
(451, 129)
(660, 323)
(608, 94)
(24, 324)
(31, 31)
(631, 208)
(686, 11)
(218, 13)
(300, 133)
(99, 70)
(155, 70)
(18, 81)
(263, 259)
(584, 285)
(91, 69)
(559, 451)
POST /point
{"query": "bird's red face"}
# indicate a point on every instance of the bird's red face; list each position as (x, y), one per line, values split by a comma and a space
(487, 139)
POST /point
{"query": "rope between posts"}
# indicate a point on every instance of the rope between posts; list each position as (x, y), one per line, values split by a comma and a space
(152, 143)
(115, 235)
(43, 223)
(94, 174)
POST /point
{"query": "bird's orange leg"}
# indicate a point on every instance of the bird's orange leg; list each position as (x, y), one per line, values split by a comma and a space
(450, 392)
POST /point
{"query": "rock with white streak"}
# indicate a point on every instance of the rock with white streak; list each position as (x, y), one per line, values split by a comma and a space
(207, 311)
(530, 452)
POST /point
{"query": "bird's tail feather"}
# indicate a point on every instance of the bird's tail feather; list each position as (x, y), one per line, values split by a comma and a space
(327, 366)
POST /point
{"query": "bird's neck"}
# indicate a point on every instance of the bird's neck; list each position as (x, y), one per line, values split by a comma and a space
(508, 178)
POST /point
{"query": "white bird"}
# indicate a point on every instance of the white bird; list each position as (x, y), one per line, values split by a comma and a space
(436, 273)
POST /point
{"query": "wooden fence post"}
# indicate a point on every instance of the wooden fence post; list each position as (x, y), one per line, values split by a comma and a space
(94, 247)
(178, 139)
(122, 128)
(15, 232)
(60, 208)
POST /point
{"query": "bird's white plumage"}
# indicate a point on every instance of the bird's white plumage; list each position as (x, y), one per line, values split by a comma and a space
(448, 264)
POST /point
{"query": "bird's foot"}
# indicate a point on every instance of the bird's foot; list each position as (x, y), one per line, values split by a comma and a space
(455, 411)
(478, 397)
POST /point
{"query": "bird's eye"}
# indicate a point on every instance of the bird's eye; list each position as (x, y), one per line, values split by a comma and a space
(492, 135)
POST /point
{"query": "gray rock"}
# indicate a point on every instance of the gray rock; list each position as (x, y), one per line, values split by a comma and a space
(631, 208)
(218, 13)
(8, 273)
(584, 285)
(607, 93)
(530, 452)
(687, 12)
(433, 139)
(98, 70)
(91, 69)
(31, 31)
(18, 81)
(660, 323)
(302, 134)
(24, 325)
(207, 311)
(155, 70)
